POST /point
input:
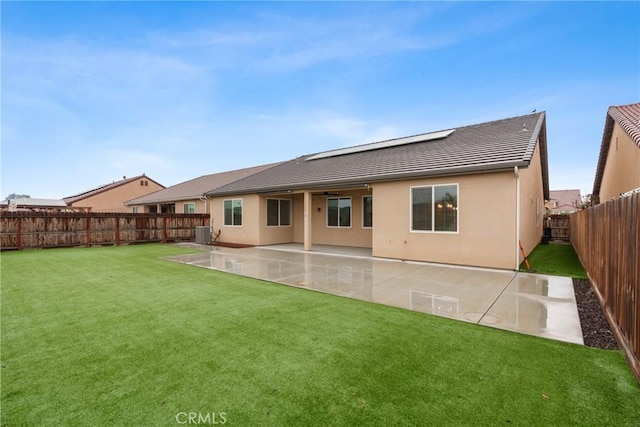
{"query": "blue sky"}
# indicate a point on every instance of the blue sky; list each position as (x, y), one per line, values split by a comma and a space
(92, 92)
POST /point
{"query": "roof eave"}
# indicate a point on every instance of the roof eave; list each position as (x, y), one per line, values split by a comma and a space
(361, 181)
(604, 152)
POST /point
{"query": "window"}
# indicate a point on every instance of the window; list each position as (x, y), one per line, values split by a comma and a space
(168, 208)
(233, 212)
(367, 212)
(434, 208)
(339, 212)
(134, 209)
(189, 208)
(278, 212)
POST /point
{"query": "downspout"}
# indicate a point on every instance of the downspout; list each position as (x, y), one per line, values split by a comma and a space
(205, 199)
(517, 245)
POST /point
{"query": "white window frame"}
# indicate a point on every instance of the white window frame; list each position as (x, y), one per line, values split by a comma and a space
(224, 223)
(280, 211)
(350, 212)
(190, 204)
(368, 196)
(433, 216)
(134, 209)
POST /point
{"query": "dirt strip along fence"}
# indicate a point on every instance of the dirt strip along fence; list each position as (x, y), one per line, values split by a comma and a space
(607, 240)
(26, 230)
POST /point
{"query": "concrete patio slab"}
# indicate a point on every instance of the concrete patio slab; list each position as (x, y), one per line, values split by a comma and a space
(532, 304)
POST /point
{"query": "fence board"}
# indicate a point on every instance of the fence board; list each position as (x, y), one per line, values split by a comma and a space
(607, 240)
(25, 230)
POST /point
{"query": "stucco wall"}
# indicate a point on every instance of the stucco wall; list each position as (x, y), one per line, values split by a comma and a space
(622, 170)
(272, 235)
(355, 235)
(248, 232)
(112, 200)
(531, 204)
(486, 232)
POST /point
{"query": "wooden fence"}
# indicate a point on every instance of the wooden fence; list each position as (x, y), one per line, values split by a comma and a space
(24, 230)
(559, 226)
(607, 240)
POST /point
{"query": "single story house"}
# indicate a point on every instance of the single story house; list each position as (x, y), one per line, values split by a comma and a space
(618, 170)
(464, 196)
(111, 197)
(188, 197)
(563, 201)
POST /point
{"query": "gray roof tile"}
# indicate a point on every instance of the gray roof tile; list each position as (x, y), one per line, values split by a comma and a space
(628, 118)
(196, 187)
(487, 146)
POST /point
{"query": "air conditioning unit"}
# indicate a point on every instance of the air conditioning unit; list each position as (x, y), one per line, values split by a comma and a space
(203, 235)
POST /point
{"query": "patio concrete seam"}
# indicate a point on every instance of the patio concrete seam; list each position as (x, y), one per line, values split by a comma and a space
(497, 298)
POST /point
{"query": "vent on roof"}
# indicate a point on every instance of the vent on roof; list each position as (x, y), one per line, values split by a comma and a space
(383, 144)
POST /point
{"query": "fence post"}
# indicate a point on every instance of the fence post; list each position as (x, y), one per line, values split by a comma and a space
(88, 228)
(164, 229)
(117, 230)
(19, 233)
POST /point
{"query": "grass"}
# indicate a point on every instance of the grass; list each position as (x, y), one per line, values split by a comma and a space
(557, 260)
(117, 336)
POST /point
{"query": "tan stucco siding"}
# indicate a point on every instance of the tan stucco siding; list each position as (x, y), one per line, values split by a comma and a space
(622, 170)
(487, 222)
(273, 235)
(355, 235)
(531, 204)
(112, 200)
(248, 232)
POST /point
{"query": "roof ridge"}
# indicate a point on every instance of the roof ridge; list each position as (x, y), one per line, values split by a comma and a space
(104, 187)
(454, 128)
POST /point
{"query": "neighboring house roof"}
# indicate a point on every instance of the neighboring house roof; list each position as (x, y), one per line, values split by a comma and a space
(565, 198)
(36, 203)
(196, 187)
(628, 118)
(73, 199)
(497, 145)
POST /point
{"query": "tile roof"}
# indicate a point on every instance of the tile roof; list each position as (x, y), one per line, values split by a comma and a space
(566, 198)
(72, 199)
(196, 187)
(628, 118)
(496, 145)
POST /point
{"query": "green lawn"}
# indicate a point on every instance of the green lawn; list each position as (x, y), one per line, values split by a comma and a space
(555, 259)
(116, 336)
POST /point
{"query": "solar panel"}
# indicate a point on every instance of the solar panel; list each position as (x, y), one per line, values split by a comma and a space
(383, 144)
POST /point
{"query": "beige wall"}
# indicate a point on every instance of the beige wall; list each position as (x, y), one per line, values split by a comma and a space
(531, 204)
(248, 232)
(254, 230)
(622, 170)
(486, 232)
(200, 205)
(486, 235)
(321, 234)
(112, 200)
